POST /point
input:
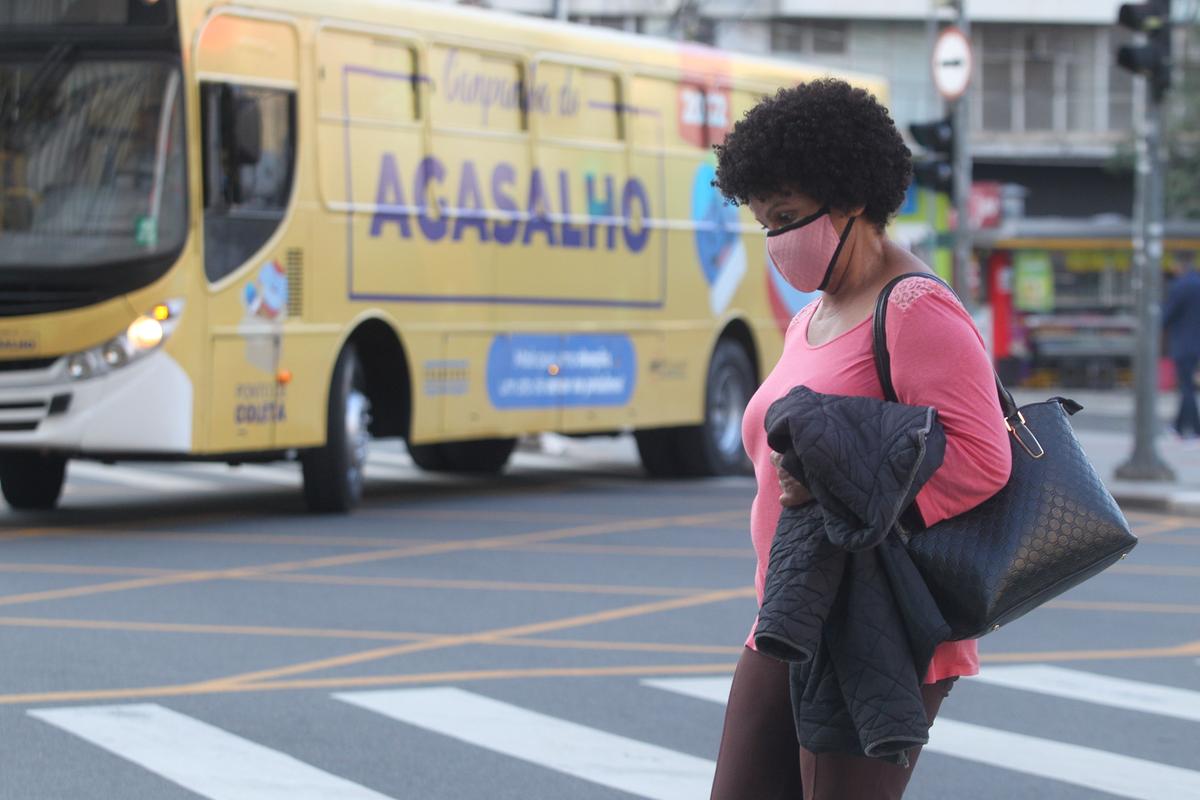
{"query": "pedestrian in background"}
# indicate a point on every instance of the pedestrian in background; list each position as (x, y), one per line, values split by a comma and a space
(1181, 317)
(823, 168)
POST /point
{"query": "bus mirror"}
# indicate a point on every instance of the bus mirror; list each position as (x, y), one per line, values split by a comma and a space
(247, 131)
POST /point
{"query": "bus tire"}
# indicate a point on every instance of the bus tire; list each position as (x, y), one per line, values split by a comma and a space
(333, 473)
(717, 448)
(32, 481)
(476, 456)
(713, 447)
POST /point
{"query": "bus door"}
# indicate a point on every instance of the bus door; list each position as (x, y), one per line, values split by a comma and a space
(601, 260)
(483, 255)
(247, 72)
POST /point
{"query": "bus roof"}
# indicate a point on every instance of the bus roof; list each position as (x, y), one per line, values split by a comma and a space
(537, 33)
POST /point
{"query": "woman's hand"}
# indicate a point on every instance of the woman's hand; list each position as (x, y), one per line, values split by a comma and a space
(791, 491)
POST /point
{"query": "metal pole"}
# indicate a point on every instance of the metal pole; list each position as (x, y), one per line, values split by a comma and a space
(560, 10)
(934, 103)
(1145, 464)
(962, 183)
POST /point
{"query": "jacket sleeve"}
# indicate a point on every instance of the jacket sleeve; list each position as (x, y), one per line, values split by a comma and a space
(938, 359)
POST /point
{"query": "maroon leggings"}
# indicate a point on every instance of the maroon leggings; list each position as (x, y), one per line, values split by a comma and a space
(760, 758)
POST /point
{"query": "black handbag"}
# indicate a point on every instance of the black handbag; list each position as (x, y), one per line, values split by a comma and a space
(1052, 526)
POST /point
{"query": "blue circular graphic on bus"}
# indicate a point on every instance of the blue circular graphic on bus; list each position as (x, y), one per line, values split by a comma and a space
(719, 246)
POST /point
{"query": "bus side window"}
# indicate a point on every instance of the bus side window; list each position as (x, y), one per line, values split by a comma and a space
(249, 140)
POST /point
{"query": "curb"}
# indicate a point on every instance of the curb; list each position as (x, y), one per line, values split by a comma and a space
(1178, 502)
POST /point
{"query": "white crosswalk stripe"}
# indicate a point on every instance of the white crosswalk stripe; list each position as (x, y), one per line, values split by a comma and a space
(1102, 690)
(1124, 776)
(641, 769)
(199, 757)
(219, 765)
(1116, 774)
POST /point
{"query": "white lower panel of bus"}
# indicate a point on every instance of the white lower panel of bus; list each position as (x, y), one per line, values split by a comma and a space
(145, 407)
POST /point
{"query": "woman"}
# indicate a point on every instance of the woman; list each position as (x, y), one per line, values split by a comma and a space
(823, 168)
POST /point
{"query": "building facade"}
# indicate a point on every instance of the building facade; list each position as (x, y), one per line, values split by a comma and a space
(1050, 110)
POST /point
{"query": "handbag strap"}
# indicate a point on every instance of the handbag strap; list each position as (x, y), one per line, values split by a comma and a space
(883, 359)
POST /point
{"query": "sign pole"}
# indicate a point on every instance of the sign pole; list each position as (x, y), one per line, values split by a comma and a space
(953, 64)
(1145, 463)
(962, 184)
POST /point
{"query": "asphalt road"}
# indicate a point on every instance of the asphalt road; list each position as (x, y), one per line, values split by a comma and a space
(565, 631)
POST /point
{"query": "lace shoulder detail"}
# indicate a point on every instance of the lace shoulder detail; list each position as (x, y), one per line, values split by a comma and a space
(909, 291)
(802, 315)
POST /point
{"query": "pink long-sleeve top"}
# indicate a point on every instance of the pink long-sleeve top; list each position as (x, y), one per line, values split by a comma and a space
(939, 360)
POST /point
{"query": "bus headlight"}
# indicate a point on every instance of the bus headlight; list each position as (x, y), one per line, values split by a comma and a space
(145, 333)
(143, 336)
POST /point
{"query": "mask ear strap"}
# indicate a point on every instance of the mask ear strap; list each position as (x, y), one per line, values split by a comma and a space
(800, 223)
(833, 261)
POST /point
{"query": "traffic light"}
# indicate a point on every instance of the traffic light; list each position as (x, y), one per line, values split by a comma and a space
(1151, 59)
(934, 170)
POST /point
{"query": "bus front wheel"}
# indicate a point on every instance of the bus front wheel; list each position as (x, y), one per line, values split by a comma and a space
(333, 473)
(714, 447)
(32, 481)
(478, 456)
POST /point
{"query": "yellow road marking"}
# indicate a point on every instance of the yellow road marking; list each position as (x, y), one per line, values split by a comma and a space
(483, 516)
(1156, 528)
(223, 630)
(500, 674)
(83, 569)
(490, 542)
(27, 533)
(1157, 569)
(1193, 541)
(639, 647)
(1184, 650)
(296, 540)
(339, 633)
(360, 580)
(503, 586)
(1176, 651)
(133, 693)
(352, 634)
(189, 689)
(497, 542)
(102, 588)
(457, 640)
(1136, 608)
(640, 550)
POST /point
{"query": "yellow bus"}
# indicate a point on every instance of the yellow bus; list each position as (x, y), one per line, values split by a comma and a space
(277, 228)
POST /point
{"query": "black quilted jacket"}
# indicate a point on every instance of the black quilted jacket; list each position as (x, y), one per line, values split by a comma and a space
(843, 603)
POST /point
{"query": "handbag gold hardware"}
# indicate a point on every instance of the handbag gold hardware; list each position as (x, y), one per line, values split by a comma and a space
(1013, 430)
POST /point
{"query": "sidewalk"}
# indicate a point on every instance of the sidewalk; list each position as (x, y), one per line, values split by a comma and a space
(1107, 437)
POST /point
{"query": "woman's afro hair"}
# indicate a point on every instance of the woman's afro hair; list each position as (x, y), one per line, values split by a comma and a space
(823, 138)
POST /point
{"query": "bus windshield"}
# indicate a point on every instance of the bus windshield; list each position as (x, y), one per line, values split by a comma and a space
(92, 161)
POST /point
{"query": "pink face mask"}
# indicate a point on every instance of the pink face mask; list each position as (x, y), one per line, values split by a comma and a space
(806, 250)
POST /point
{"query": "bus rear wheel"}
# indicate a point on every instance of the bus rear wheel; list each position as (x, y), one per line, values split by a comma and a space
(714, 447)
(333, 473)
(32, 481)
(478, 456)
